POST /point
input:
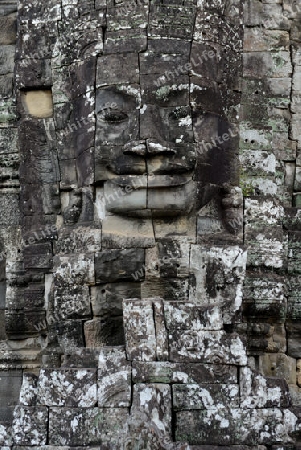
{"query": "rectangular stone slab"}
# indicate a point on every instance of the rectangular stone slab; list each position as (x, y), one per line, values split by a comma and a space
(195, 396)
(87, 426)
(167, 372)
(118, 265)
(114, 378)
(67, 387)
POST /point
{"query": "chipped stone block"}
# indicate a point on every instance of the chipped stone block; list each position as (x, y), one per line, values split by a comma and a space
(87, 426)
(152, 402)
(217, 274)
(259, 392)
(83, 358)
(166, 372)
(267, 248)
(10, 385)
(264, 299)
(107, 330)
(295, 394)
(167, 288)
(278, 365)
(189, 316)
(168, 259)
(259, 39)
(70, 302)
(124, 41)
(139, 327)
(260, 211)
(114, 378)
(69, 334)
(93, 333)
(258, 162)
(52, 10)
(30, 425)
(38, 256)
(74, 269)
(195, 396)
(294, 265)
(205, 346)
(28, 393)
(122, 18)
(119, 265)
(75, 239)
(8, 140)
(293, 339)
(261, 64)
(120, 232)
(10, 214)
(67, 387)
(6, 417)
(33, 72)
(20, 324)
(235, 426)
(8, 26)
(107, 298)
(161, 333)
(116, 69)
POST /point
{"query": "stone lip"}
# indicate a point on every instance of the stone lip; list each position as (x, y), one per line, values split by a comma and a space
(8, 7)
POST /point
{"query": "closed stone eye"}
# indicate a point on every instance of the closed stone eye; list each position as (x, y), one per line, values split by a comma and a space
(114, 116)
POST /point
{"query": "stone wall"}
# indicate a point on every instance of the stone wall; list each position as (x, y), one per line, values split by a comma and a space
(150, 191)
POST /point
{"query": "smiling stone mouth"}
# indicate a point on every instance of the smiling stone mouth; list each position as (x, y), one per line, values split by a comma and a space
(152, 181)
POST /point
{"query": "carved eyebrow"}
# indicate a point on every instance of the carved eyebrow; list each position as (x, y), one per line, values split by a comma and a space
(165, 92)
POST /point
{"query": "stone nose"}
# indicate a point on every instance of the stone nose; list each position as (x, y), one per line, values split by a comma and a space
(148, 148)
(159, 148)
(135, 147)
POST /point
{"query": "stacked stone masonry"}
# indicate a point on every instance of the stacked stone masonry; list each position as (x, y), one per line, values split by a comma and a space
(150, 224)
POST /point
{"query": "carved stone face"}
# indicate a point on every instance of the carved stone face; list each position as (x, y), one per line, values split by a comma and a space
(156, 145)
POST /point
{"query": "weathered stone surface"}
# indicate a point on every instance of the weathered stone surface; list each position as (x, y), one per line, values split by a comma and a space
(265, 298)
(81, 358)
(293, 336)
(235, 426)
(195, 396)
(106, 299)
(28, 392)
(278, 365)
(114, 378)
(259, 392)
(67, 387)
(73, 240)
(153, 402)
(87, 426)
(30, 425)
(69, 334)
(226, 282)
(118, 265)
(196, 318)
(10, 382)
(74, 269)
(206, 347)
(140, 332)
(166, 372)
